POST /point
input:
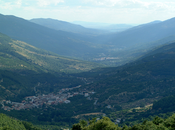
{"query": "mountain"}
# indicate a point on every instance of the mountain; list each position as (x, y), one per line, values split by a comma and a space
(57, 41)
(143, 34)
(141, 82)
(103, 90)
(8, 123)
(105, 26)
(154, 22)
(23, 67)
(28, 71)
(18, 55)
(117, 27)
(74, 45)
(91, 24)
(65, 26)
(112, 49)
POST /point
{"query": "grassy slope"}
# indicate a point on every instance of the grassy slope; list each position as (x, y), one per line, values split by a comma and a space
(7, 123)
(23, 66)
(20, 55)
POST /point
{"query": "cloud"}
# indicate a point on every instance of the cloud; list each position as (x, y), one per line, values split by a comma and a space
(19, 3)
(49, 2)
(101, 2)
(131, 3)
(111, 11)
(10, 4)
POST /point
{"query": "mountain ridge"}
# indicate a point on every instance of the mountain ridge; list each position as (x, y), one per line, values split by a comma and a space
(144, 34)
(138, 83)
(60, 42)
(23, 67)
(65, 26)
(28, 55)
(144, 80)
(111, 49)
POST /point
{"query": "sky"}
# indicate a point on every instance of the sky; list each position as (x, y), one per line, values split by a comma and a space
(103, 11)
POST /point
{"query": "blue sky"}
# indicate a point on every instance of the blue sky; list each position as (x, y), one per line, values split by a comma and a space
(104, 11)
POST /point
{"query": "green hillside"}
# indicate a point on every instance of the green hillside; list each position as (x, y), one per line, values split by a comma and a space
(28, 71)
(17, 55)
(144, 34)
(112, 49)
(57, 41)
(138, 83)
(117, 89)
(23, 67)
(7, 123)
(106, 124)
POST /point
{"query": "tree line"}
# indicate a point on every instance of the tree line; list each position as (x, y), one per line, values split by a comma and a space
(105, 123)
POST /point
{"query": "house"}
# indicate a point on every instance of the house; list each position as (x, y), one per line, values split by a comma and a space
(88, 98)
(104, 114)
(92, 92)
(6, 108)
(86, 94)
(8, 102)
(67, 89)
(97, 119)
(67, 101)
(109, 106)
(75, 93)
(70, 96)
(118, 120)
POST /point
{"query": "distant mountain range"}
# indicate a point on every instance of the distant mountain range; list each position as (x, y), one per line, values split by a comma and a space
(27, 70)
(105, 26)
(117, 27)
(60, 42)
(18, 55)
(66, 26)
(110, 49)
(143, 34)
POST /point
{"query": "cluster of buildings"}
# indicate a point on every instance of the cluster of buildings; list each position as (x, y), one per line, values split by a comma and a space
(50, 99)
(106, 58)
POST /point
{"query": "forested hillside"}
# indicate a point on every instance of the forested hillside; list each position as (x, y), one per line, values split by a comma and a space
(141, 81)
(23, 66)
(106, 124)
(102, 90)
(7, 123)
(57, 41)
(142, 35)
(20, 55)
(50, 90)
(112, 49)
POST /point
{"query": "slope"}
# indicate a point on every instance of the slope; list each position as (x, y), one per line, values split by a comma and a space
(66, 26)
(110, 89)
(110, 49)
(8, 123)
(143, 34)
(20, 55)
(140, 82)
(57, 41)
(23, 67)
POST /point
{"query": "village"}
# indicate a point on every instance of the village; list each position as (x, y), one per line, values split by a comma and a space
(31, 102)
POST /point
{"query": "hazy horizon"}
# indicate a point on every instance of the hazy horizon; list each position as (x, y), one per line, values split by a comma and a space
(101, 11)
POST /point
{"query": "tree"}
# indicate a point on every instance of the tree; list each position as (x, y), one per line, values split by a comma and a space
(157, 120)
(76, 127)
(83, 123)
